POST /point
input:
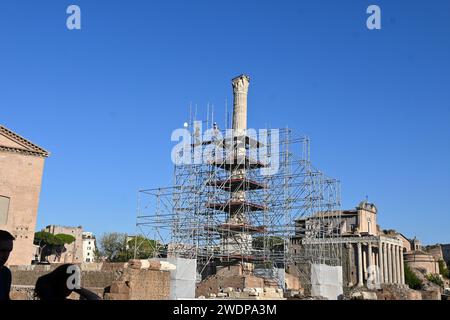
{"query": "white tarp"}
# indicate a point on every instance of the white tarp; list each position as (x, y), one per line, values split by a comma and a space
(183, 278)
(326, 281)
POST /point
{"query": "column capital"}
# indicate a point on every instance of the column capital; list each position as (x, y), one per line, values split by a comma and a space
(241, 84)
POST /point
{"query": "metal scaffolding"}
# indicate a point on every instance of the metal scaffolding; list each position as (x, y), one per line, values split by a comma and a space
(227, 208)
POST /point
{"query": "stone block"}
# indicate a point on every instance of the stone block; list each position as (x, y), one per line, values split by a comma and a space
(120, 287)
(431, 295)
(116, 296)
(135, 264)
(364, 295)
(270, 290)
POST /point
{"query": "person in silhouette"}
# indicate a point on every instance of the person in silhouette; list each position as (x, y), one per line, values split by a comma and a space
(6, 246)
(60, 283)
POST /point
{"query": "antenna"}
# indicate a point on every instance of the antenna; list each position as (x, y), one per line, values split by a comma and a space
(190, 113)
(226, 113)
(212, 114)
(207, 115)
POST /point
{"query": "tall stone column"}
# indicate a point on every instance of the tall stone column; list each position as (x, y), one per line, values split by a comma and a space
(350, 253)
(369, 264)
(385, 263)
(399, 269)
(240, 93)
(395, 262)
(240, 242)
(390, 268)
(364, 261)
(360, 266)
(375, 257)
(240, 90)
(402, 267)
(381, 261)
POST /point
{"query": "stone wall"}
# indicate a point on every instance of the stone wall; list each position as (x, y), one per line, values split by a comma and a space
(115, 281)
(421, 261)
(20, 182)
(435, 251)
(140, 284)
(239, 286)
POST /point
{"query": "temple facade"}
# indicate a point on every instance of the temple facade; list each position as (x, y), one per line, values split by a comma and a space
(370, 256)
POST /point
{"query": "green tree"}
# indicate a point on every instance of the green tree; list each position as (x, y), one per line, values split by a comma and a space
(118, 247)
(411, 279)
(112, 247)
(144, 248)
(65, 238)
(51, 244)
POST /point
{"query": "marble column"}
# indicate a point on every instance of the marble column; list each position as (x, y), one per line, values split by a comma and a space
(402, 267)
(240, 90)
(394, 263)
(399, 272)
(364, 261)
(399, 249)
(390, 264)
(381, 261)
(360, 266)
(369, 264)
(385, 263)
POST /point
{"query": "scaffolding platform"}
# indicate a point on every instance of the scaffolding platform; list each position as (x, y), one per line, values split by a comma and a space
(233, 206)
(229, 228)
(237, 184)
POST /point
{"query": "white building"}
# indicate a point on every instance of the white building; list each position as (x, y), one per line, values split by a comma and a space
(88, 247)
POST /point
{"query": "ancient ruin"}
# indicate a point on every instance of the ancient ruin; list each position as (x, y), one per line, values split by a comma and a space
(21, 169)
(236, 197)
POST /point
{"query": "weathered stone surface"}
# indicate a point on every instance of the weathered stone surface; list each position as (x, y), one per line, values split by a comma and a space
(21, 169)
(431, 294)
(364, 295)
(120, 287)
(22, 293)
(121, 284)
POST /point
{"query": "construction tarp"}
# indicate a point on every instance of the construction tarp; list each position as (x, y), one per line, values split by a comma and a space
(326, 281)
(183, 278)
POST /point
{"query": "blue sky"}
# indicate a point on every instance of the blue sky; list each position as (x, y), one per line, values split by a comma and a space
(104, 100)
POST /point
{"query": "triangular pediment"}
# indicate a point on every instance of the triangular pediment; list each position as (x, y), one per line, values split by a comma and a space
(11, 141)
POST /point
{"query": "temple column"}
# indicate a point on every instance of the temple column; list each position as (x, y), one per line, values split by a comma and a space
(399, 273)
(360, 266)
(381, 261)
(369, 264)
(364, 261)
(385, 263)
(374, 257)
(390, 269)
(394, 263)
(402, 267)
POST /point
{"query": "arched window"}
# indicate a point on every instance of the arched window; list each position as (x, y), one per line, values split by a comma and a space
(4, 209)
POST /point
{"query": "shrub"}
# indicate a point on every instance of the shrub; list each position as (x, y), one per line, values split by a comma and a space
(435, 278)
(411, 279)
